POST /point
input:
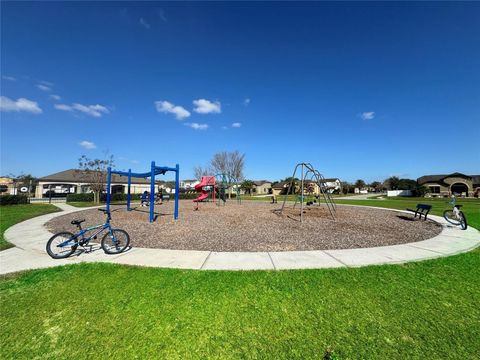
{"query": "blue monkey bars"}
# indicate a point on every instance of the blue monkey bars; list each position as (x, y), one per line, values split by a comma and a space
(155, 170)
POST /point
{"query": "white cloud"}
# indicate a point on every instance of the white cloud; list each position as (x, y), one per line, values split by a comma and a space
(144, 23)
(368, 115)
(9, 78)
(246, 101)
(44, 87)
(87, 144)
(203, 106)
(63, 107)
(236, 125)
(21, 104)
(47, 83)
(91, 110)
(55, 97)
(161, 14)
(169, 108)
(197, 126)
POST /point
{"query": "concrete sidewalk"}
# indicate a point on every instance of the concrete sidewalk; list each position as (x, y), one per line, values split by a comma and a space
(30, 238)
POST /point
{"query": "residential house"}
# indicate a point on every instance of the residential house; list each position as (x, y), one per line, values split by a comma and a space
(77, 181)
(261, 187)
(280, 188)
(333, 185)
(7, 186)
(456, 183)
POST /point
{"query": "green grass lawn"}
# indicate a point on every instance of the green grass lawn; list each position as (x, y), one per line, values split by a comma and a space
(12, 214)
(424, 310)
(471, 207)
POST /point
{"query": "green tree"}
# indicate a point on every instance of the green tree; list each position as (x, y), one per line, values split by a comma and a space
(346, 187)
(392, 183)
(377, 185)
(24, 181)
(360, 184)
(407, 184)
(247, 186)
(420, 190)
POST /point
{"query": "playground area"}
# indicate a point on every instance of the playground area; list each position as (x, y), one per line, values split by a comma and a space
(255, 226)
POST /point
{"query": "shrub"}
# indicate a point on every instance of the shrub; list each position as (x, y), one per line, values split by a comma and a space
(13, 199)
(80, 197)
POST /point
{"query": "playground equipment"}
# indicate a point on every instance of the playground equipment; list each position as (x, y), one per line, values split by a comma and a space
(222, 186)
(155, 170)
(204, 181)
(312, 176)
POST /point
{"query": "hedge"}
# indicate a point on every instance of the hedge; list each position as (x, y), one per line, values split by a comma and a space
(13, 199)
(88, 197)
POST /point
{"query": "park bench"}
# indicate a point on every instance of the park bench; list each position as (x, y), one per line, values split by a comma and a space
(422, 209)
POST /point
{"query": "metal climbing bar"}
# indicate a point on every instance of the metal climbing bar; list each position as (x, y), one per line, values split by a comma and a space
(154, 170)
(307, 170)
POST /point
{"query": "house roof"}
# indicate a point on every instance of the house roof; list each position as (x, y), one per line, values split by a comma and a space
(75, 175)
(261, 182)
(439, 178)
(281, 185)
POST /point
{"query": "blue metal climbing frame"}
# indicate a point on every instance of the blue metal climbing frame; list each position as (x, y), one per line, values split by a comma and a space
(155, 170)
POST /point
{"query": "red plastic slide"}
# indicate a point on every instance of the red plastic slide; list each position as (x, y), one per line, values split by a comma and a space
(204, 181)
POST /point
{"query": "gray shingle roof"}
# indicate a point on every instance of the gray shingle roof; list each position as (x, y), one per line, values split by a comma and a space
(75, 175)
(261, 182)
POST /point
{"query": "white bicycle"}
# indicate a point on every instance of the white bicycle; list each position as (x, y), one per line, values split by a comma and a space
(455, 216)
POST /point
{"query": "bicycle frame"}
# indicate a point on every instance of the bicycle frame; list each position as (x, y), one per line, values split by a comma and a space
(455, 210)
(82, 233)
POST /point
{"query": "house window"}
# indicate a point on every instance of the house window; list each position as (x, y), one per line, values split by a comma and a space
(435, 189)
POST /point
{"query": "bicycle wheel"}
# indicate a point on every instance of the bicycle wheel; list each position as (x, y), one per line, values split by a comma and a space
(60, 252)
(463, 221)
(449, 215)
(115, 242)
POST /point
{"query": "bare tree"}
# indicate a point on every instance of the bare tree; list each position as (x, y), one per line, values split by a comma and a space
(199, 171)
(219, 163)
(235, 166)
(231, 164)
(94, 172)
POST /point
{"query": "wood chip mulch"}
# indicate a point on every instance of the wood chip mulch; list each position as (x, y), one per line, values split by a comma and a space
(254, 226)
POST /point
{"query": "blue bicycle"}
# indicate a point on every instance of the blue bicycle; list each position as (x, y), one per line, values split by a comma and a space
(64, 244)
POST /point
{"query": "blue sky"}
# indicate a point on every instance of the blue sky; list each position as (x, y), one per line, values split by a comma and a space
(361, 90)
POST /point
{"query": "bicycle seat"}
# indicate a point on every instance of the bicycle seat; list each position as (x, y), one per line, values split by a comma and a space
(103, 210)
(77, 222)
(458, 206)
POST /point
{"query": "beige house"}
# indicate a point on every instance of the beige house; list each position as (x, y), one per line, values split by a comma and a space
(7, 186)
(280, 188)
(309, 187)
(447, 185)
(75, 181)
(262, 187)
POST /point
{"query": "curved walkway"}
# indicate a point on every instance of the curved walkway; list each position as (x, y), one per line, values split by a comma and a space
(30, 237)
